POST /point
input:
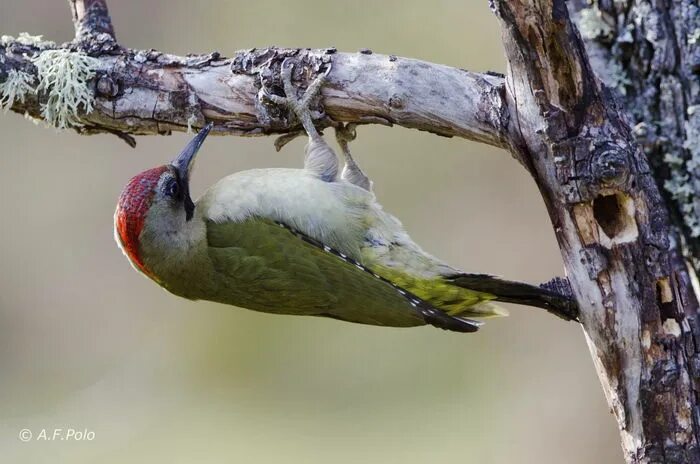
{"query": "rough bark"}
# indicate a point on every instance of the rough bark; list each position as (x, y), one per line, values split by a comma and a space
(622, 258)
(91, 18)
(149, 92)
(637, 307)
(647, 51)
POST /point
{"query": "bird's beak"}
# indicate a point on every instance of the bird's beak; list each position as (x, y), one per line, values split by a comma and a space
(185, 160)
(184, 163)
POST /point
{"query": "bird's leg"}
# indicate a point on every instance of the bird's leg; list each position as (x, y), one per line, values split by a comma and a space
(352, 173)
(320, 160)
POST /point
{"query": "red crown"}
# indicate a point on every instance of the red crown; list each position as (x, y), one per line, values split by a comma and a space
(132, 208)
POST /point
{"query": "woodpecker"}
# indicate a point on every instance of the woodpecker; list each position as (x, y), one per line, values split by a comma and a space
(311, 241)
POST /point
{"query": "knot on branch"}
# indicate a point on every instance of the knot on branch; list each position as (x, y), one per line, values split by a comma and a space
(107, 87)
(610, 165)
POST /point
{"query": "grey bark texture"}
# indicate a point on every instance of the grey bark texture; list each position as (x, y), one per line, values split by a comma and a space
(602, 156)
(638, 309)
(648, 53)
(142, 92)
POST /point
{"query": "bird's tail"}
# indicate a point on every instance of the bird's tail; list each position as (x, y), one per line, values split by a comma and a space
(552, 296)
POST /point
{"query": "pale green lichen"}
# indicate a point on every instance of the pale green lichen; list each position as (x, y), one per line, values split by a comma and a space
(694, 37)
(15, 88)
(692, 137)
(592, 25)
(26, 39)
(682, 174)
(673, 159)
(619, 78)
(63, 78)
(680, 189)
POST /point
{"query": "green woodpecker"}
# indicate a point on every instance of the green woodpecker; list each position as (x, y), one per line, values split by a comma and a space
(308, 241)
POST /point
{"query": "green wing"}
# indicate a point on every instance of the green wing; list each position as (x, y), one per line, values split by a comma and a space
(268, 267)
(262, 267)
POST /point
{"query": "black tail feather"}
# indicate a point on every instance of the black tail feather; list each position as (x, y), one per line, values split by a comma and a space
(507, 291)
(444, 321)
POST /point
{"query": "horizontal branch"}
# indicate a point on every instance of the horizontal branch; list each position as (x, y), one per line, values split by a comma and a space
(149, 92)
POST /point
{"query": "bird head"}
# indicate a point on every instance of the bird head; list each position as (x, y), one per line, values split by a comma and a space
(159, 195)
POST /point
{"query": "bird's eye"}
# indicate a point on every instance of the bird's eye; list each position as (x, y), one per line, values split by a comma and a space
(172, 189)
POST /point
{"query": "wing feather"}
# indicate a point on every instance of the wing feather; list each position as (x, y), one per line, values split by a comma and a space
(270, 267)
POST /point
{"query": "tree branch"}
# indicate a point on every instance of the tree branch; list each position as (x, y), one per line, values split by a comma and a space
(149, 92)
(637, 307)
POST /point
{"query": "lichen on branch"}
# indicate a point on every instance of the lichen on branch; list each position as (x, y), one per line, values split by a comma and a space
(592, 24)
(15, 88)
(680, 185)
(64, 76)
(25, 38)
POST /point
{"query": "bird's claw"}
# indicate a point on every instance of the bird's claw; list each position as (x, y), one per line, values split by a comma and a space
(300, 106)
(284, 139)
(321, 160)
(279, 100)
(345, 133)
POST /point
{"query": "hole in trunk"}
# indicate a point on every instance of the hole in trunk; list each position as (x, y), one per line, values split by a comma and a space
(614, 214)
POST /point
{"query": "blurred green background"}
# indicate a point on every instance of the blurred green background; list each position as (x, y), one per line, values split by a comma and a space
(86, 342)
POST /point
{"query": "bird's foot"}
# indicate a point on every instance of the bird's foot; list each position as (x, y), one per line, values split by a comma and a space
(300, 106)
(284, 139)
(344, 134)
(320, 159)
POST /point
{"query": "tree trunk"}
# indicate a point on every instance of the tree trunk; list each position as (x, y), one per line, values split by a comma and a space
(624, 214)
(648, 53)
